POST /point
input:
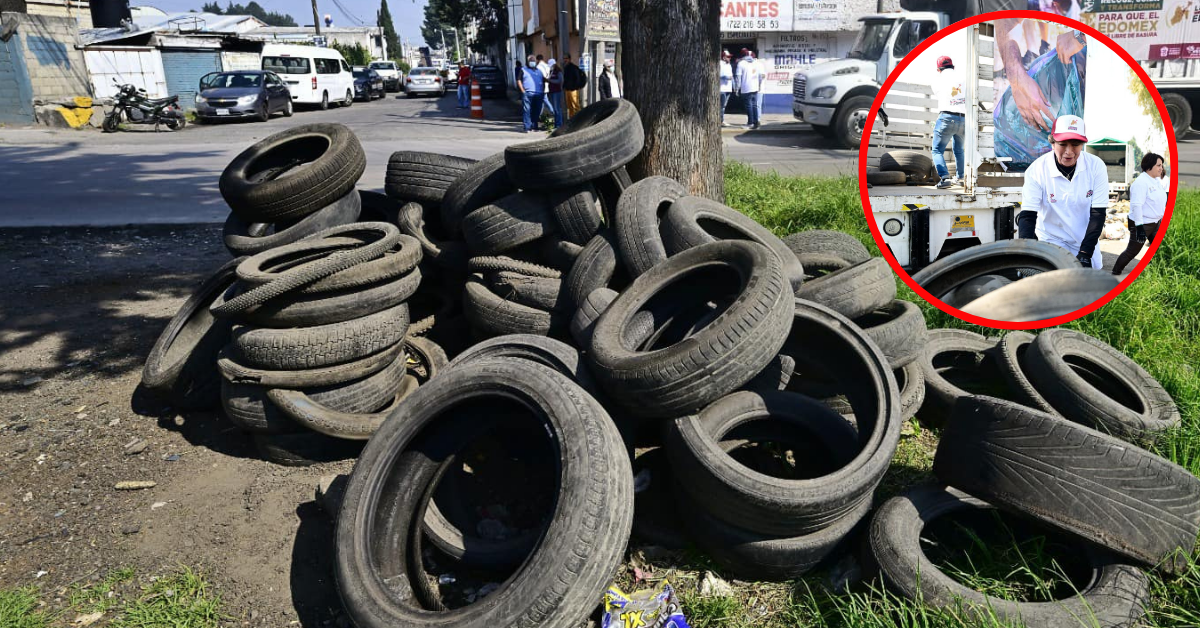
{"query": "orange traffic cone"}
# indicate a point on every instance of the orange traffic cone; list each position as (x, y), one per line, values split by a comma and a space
(476, 101)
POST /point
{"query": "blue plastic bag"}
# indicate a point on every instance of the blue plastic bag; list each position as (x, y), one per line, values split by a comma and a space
(1062, 86)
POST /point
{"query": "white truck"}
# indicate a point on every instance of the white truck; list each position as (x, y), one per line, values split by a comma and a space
(920, 223)
(835, 96)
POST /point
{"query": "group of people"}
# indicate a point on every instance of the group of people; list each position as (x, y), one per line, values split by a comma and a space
(1064, 200)
(746, 80)
(547, 85)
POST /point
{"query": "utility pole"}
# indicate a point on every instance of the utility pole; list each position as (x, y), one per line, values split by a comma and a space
(316, 18)
(564, 29)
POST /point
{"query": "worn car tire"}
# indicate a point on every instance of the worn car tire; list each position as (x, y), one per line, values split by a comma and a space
(538, 292)
(243, 238)
(815, 244)
(320, 345)
(693, 220)
(304, 449)
(491, 315)
(1114, 596)
(599, 139)
(320, 376)
(1074, 478)
(449, 254)
(390, 265)
(1011, 355)
(483, 182)
(422, 177)
(181, 364)
(332, 160)
(593, 269)
(898, 329)
(586, 535)
(975, 288)
(508, 223)
(1045, 295)
(717, 359)
(886, 178)
(309, 413)
(637, 222)
(1089, 382)
(853, 291)
(577, 211)
(947, 349)
(911, 381)
(912, 162)
(548, 352)
(305, 310)
(945, 275)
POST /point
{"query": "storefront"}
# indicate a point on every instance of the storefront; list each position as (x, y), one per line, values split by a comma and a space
(792, 35)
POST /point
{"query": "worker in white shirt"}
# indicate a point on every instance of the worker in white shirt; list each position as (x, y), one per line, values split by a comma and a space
(1066, 194)
(726, 76)
(1147, 204)
(951, 124)
(746, 79)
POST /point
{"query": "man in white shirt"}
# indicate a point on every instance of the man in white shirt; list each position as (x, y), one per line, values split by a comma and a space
(1147, 205)
(543, 67)
(951, 123)
(747, 80)
(1066, 192)
(726, 75)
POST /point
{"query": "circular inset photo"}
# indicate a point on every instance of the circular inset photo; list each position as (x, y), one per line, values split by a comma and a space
(1015, 169)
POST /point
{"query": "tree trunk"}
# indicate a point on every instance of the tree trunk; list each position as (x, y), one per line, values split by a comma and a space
(670, 51)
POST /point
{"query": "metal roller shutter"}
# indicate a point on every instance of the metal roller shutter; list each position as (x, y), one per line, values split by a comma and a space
(184, 69)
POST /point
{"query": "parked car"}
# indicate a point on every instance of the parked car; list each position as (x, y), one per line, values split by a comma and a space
(491, 80)
(368, 84)
(390, 73)
(242, 94)
(317, 76)
(424, 80)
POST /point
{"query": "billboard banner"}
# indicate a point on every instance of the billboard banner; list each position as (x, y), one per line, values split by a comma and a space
(1149, 30)
(603, 20)
(756, 15)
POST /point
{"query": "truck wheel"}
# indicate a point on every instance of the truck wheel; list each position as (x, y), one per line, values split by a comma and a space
(1180, 111)
(850, 120)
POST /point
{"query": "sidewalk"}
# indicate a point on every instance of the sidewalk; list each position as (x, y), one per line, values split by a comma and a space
(770, 124)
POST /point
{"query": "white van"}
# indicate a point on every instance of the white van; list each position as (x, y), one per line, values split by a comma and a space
(316, 76)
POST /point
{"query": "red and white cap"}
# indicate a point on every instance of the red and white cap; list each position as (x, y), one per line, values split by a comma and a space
(1069, 128)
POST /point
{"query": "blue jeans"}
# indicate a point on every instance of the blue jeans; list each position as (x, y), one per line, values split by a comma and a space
(724, 101)
(531, 105)
(751, 100)
(464, 95)
(949, 127)
(557, 107)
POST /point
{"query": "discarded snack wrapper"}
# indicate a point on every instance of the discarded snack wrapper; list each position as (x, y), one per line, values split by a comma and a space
(648, 608)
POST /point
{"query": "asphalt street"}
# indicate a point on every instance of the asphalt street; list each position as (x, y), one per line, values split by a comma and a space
(1189, 160)
(63, 178)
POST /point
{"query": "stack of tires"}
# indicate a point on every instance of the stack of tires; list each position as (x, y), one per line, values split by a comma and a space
(899, 167)
(318, 354)
(1015, 280)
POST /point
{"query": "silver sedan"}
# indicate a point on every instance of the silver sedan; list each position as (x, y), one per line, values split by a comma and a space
(424, 81)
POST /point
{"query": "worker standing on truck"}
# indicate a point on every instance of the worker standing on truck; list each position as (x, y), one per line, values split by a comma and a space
(1066, 193)
(951, 123)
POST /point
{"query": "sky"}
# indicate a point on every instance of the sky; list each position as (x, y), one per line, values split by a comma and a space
(407, 15)
(1110, 111)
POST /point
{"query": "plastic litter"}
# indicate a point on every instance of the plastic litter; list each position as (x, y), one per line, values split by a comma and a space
(648, 608)
(1062, 86)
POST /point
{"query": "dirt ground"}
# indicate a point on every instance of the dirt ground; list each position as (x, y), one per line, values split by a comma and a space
(79, 311)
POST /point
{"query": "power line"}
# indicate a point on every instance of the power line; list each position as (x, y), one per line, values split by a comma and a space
(350, 16)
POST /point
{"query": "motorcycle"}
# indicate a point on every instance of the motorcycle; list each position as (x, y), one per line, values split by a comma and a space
(134, 105)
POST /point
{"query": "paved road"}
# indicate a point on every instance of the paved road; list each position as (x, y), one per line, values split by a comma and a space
(52, 178)
(1189, 160)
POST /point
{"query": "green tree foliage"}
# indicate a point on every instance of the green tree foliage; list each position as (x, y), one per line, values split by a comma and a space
(491, 17)
(253, 8)
(355, 54)
(1145, 100)
(384, 21)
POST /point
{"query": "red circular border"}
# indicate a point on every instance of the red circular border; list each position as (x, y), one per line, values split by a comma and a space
(866, 199)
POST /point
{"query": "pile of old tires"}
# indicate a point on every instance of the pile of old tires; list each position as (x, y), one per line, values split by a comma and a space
(899, 167)
(629, 361)
(1014, 280)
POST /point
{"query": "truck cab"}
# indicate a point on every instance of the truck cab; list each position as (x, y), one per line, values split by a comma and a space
(835, 96)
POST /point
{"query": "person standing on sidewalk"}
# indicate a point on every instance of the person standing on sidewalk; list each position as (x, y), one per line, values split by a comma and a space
(532, 85)
(554, 93)
(726, 83)
(747, 80)
(1147, 204)
(610, 85)
(574, 80)
(762, 78)
(464, 85)
(543, 67)
(951, 121)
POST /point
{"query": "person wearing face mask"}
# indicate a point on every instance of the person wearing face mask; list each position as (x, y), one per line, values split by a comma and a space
(532, 86)
(1147, 204)
(1065, 197)
(609, 85)
(554, 93)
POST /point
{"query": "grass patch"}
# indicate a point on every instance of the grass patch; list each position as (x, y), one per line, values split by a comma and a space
(100, 597)
(19, 609)
(181, 600)
(1156, 322)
